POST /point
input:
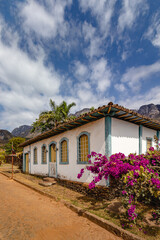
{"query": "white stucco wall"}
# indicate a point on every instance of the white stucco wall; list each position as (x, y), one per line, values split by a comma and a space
(147, 133)
(70, 171)
(125, 137)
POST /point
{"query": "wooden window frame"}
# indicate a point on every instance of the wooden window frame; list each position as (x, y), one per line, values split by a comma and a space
(44, 145)
(35, 163)
(60, 151)
(78, 148)
(149, 138)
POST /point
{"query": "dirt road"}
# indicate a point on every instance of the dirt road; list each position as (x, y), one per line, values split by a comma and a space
(25, 215)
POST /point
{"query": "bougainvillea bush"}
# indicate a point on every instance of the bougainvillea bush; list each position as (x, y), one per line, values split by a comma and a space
(140, 181)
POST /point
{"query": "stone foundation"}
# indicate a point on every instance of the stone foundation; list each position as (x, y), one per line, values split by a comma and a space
(99, 192)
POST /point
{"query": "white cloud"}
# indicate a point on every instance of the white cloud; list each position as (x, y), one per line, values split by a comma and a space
(102, 10)
(120, 87)
(134, 102)
(101, 74)
(125, 55)
(25, 84)
(85, 95)
(10, 120)
(129, 13)
(45, 18)
(135, 75)
(153, 32)
(80, 70)
(91, 36)
(140, 50)
(17, 68)
(97, 73)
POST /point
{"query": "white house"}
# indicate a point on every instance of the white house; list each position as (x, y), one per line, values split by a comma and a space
(62, 151)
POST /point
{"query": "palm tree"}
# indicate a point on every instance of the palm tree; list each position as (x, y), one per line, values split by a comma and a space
(65, 109)
(49, 119)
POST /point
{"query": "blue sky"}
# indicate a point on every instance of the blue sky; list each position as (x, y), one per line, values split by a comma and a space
(87, 51)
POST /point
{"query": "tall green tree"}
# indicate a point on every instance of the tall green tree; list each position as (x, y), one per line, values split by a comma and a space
(16, 141)
(49, 119)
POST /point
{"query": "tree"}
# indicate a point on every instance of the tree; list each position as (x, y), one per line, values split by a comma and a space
(2, 156)
(92, 109)
(49, 119)
(16, 141)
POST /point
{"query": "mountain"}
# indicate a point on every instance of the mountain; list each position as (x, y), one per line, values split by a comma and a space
(4, 136)
(78, 113)
(84, 110)
(21, 131)
(31, 135)
(150, 110)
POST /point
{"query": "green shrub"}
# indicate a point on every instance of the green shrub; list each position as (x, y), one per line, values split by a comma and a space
(2, 157)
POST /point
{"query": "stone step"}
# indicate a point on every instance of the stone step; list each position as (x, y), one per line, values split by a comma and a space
(48, 179)
(46, 184)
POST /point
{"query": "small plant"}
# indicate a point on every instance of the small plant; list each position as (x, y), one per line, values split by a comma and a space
(92, 109)
(156, 216)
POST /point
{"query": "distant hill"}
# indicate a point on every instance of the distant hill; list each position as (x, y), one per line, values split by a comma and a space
(21, 131)
(4, 136)
(31, 135)
(150, 110)
(84, 110)
(80, 112)
(24, 131)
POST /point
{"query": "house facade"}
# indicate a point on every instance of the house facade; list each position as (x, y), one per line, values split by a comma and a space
(62, 151)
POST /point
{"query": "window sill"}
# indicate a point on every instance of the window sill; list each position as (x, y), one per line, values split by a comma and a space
(63, 163)
(78, 162)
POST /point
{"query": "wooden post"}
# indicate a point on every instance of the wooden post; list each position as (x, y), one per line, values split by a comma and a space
(12, 160)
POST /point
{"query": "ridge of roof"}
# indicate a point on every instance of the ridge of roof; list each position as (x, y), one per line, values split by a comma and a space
(109, 106)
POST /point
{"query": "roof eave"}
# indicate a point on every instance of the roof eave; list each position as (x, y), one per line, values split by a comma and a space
(113, 110)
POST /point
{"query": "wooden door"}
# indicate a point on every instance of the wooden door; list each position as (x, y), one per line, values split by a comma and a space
(27, 162)
(52, 162)
(53, 153)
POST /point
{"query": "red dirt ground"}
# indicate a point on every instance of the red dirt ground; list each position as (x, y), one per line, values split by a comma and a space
(26, 214)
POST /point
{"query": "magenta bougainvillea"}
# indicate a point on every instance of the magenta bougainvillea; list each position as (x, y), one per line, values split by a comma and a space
(140, 181)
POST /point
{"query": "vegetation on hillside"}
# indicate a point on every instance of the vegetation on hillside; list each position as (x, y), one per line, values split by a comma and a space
(16, 141)
(49, 119)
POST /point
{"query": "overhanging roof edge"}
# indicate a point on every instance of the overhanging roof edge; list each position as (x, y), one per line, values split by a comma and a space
(105, 109)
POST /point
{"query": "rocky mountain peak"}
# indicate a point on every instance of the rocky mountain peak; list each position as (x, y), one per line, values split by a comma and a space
(21, 131)
(5, 136)
(150, 110)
